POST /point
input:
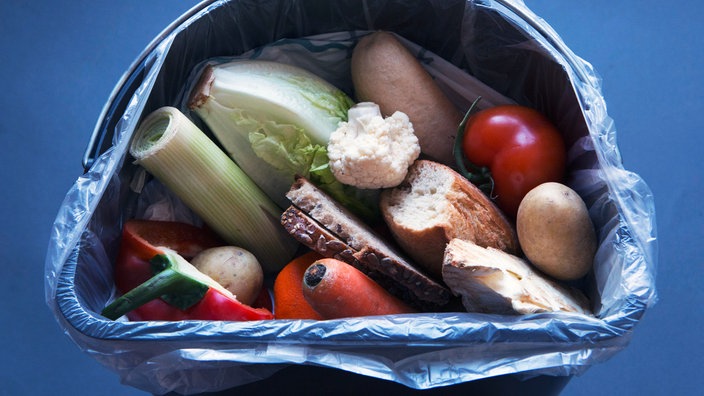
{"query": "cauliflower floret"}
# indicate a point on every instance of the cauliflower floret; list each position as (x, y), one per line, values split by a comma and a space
(370, 151)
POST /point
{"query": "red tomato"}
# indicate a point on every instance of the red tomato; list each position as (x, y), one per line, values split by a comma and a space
(521, 148)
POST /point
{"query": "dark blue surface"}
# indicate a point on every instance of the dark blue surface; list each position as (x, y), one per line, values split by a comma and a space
(61, 60)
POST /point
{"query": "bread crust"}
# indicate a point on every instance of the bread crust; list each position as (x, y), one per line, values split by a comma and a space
(435, 204)
(493, 281)
(323, 225)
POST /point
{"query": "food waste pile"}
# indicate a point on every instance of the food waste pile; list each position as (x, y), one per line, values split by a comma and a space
(316, 204)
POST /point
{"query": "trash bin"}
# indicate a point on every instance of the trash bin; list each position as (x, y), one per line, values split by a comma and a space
(502, 43)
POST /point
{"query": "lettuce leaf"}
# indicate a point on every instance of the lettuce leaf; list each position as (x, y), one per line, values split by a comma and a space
(274, 120)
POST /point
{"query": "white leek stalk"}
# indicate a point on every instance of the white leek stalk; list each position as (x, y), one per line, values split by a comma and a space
(175, 151)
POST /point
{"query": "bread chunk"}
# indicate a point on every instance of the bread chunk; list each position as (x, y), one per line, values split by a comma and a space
(435, 204)
(492, 281)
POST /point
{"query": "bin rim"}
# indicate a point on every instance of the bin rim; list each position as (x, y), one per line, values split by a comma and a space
(515, 6)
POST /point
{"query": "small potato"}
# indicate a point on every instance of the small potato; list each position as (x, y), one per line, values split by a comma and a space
(236, 269)
(555, 231)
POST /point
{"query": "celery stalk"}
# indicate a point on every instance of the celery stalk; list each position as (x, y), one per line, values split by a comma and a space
(175, 151)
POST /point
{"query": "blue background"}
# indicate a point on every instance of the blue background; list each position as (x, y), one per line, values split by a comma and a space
(59, 61)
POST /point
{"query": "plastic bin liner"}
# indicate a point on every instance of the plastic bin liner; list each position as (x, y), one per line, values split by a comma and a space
(503, 44)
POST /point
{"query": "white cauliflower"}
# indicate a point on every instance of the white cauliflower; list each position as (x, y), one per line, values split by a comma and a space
(370, 151)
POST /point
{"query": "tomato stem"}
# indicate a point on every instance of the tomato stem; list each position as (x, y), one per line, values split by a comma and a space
(480, 176)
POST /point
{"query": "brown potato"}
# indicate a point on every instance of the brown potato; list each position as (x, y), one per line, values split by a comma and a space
(555, 231)
(236, 269)
(386, 73)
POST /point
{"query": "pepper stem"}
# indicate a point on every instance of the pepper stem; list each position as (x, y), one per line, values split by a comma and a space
(170, 283)
(480, 176)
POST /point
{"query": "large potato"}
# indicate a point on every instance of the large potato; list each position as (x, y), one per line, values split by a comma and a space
(385, 72)
(236, 269)
(555, 231)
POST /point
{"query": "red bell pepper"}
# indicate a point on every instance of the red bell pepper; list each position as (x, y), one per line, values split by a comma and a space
(164, 279)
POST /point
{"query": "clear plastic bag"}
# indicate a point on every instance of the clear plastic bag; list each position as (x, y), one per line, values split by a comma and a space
(500, 42)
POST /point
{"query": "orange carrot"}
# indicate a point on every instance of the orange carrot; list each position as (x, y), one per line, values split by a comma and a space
(289, 302)
(336, 289)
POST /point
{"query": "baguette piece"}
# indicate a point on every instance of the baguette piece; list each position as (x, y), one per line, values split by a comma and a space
(321, 224)
(435, 204)
(492, 281)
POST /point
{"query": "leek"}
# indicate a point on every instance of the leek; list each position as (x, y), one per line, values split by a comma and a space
(275, 121)
(175, 151)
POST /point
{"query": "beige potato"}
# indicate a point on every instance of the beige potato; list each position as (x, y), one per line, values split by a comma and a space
(555, 231)
(236, 269)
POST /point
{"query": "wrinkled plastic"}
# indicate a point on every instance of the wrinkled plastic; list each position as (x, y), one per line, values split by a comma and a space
(500, 42)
